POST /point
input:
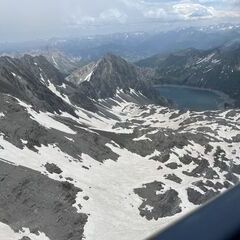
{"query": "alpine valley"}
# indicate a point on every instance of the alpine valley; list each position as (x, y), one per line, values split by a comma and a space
(94, 152)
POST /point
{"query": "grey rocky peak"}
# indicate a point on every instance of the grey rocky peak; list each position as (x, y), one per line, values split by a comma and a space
(103, 78)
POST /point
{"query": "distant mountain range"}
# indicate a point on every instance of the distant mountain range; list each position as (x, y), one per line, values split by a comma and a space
(132, 46)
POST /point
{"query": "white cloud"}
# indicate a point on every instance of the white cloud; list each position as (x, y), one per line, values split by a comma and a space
(75, 21)
(113, 15)
(32, 19)
(155, 13)
(189, 10)
(134, 4)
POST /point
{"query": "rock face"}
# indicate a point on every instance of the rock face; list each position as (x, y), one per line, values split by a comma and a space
(103, 78)
(28, 79)
(96, 159)
(158, 205)
(36, 202)
(65, 64)
(217, 69)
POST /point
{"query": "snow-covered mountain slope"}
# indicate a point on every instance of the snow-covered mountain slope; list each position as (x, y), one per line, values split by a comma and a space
(122, 169)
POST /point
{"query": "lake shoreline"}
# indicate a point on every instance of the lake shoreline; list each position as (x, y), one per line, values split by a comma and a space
(226, 99)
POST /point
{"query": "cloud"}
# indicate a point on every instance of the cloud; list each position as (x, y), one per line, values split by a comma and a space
(49, 18)
(190, 10)
(155, 13)
(113, 14)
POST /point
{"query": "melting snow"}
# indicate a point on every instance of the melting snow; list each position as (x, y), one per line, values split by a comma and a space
(143, 137)
(88, 77)
(42, 78)
(54, 61)
(112, 203)
(63, 85)
(57, 93)
(216, 61)
(6, 233)
(46, 119)
(206, 59)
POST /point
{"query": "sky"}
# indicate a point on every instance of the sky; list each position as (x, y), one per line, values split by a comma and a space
(42, 19)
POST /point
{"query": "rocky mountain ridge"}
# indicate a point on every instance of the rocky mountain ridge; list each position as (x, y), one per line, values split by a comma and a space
(101, 79)
(89, 162)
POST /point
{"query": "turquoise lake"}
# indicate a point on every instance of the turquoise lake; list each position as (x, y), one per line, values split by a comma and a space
(188, 98)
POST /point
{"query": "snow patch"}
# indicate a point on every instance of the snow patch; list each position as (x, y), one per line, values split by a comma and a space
(54, 61)
(142, 138)
(206, 59)
(46, 119)
(53, 89)
(6, 233)
(88, 77)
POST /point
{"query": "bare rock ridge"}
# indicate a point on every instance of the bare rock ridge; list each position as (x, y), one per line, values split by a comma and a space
(34, 79)
(30, 197)
(92, 156)
(28, 79)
